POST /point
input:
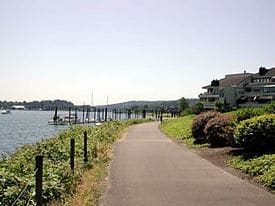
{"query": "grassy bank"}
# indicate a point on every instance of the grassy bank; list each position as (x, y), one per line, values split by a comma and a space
(17, 170)
(180, 129)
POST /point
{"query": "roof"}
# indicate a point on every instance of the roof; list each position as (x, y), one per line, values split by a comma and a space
(269, 73)
(231, 80)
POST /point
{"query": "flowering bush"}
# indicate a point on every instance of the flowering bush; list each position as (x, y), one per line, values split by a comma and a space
(219, 130)
(199, 124)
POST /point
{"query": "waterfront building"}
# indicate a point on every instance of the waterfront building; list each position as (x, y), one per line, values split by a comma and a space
(241, 90)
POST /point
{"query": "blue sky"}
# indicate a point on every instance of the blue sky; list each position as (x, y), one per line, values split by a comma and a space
(129, 50)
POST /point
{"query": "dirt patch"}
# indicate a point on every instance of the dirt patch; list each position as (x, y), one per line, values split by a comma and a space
(219, 157)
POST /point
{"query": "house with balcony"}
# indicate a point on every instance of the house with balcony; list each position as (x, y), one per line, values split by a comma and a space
(241, 90)
(260, 90)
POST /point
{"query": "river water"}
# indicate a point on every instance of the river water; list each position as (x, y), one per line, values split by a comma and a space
(25, 127)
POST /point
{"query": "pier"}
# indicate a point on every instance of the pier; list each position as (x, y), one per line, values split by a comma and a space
(97, 115)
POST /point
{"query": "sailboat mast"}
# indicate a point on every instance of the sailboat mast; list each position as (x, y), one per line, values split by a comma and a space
(92, 99)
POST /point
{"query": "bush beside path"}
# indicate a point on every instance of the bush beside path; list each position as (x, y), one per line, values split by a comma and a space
(255, 165)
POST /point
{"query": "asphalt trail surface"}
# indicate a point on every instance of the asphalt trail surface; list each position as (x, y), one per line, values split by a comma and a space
(150, 169)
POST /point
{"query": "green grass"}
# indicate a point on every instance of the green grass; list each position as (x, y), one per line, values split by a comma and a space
(180, 128)
(232, 112)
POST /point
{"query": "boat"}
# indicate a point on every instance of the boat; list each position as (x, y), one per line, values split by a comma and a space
(6, 112)
(71, 119)
(57, 121)
(90, 120)
(67, 120)
(98, 123)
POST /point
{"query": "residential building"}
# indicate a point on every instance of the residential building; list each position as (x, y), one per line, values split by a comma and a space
(241, 90)
(19, 107)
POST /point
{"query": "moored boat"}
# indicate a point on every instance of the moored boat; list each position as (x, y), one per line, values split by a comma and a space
(71, 119)
(57, 121)
(6, 112)
(90, 120)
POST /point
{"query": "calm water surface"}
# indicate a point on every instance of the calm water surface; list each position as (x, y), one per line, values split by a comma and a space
(25, 127)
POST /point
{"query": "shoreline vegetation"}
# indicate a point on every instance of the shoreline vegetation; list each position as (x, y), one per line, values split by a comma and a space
(59, 182)
(256, 166)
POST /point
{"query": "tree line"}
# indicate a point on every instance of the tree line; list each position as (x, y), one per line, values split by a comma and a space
(165, 106)
(38, 105)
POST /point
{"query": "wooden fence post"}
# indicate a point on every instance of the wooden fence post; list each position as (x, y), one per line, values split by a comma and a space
(72, 154)
(38, 179)
(85, 147)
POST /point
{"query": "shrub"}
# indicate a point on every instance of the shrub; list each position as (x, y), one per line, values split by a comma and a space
(197, 108)
(199, 123)
(270, 108)
(257, 132)
(219, 130)
(247, 113)
(186, 112)
(219, 105)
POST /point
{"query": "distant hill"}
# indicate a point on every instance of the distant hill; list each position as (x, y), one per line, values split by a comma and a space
(65, 105)
(149, 105)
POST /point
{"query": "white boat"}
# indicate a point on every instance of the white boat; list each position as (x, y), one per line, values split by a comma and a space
(57, 121)
(71, 119)
(6, 112)
(67, 120)
(90, 120)
(98, 123)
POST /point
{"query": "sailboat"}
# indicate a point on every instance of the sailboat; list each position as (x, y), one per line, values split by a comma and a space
(56, 120)
(71, 118)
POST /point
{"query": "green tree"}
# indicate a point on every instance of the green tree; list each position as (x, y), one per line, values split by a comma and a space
(182, 104)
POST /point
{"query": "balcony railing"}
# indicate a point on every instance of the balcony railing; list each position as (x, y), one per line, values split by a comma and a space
(208, 105)
(250, 104)
(206, 95)
(255, 93)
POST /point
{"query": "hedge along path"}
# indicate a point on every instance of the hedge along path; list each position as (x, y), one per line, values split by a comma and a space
(148, 169)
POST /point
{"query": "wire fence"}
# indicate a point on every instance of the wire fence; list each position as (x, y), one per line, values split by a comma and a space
(24, 190)
(38, 174)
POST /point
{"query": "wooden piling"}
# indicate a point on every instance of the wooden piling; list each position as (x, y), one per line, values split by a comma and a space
(106, 114)
(75, 115)
(83, 115)
(69, 115)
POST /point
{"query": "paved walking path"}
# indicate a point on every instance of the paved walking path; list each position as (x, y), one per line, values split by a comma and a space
(150, 169)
